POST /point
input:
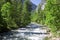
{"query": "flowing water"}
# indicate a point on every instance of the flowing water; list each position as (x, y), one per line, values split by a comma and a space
(32, 32)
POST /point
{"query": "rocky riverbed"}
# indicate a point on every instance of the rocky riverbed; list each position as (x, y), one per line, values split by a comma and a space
(32, 32)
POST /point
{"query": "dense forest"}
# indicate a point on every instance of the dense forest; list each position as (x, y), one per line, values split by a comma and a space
(18, 13)
(14, 14)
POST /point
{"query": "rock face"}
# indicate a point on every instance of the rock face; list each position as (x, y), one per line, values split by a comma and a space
(43, 1)
(32, 4)
(42, 5)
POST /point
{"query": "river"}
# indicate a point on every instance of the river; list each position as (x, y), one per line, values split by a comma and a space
(32, 32)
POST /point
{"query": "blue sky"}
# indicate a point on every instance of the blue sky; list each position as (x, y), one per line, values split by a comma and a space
(36, 1)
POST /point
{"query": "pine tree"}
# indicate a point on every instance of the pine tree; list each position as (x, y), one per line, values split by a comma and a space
(16, 11)
(6, 15)
(40, 14)
(2, 23)
(26, 12)
(19, 13)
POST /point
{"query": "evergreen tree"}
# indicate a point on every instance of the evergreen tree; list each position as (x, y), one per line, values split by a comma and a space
(26, 13)
(2, 23)
(6, 15)
(19, 13)
(41, 15)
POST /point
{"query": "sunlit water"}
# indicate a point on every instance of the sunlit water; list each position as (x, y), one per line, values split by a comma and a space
(32, 32)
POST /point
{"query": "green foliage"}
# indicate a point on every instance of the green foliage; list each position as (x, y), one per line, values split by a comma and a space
(41, 17)
(17, 12)
(52, 10)
(46, 38)
(34, 16)
(6, 12)
(14, 14)
(50, 16)
(26, 13)
(38, 16)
